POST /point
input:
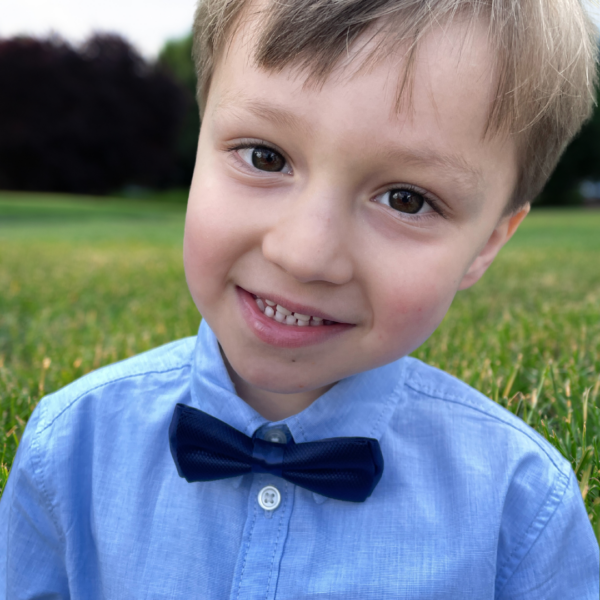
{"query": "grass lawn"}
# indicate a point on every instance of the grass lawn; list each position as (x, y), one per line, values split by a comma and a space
(87, 282)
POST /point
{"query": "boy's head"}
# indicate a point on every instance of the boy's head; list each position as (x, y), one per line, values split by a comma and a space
(362, 160)
(543, 56)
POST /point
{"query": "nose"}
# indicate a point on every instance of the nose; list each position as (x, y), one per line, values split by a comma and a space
(310, 239)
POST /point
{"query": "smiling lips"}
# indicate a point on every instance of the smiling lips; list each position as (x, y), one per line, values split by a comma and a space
(279, 326)
(283, 315)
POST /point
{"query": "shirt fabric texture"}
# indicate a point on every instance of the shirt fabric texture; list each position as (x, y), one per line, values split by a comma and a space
(473, 504)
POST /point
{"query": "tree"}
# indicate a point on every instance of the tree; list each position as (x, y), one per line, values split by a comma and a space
(176, 57)
(85, 120)
(580, 162)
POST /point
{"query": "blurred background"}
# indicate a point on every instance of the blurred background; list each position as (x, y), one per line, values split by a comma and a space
(98, 98)
(98, 133)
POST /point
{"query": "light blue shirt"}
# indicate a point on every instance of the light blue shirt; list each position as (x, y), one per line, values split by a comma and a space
(473, 504)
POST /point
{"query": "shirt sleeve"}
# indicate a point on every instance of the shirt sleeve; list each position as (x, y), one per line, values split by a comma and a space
(31, 548)
(561, 561)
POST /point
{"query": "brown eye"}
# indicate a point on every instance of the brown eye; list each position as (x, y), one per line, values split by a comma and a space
(266, 159)
(406, 201)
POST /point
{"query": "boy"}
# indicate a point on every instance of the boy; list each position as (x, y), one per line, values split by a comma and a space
(359, 162)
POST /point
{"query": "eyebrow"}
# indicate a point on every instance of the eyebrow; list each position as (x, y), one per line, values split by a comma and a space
(454, 166)
(264, 111)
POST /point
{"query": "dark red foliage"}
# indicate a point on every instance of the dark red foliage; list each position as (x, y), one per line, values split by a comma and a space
(85, 120)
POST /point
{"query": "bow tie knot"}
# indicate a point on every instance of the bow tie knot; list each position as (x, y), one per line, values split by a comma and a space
(267, 457)
(205, 449)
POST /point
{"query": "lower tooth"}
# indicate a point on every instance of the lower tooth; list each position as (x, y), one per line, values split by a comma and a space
(279, 317)
(260, 304)
(316, 323)
(302, 323)
(290, 320)
(269, 312)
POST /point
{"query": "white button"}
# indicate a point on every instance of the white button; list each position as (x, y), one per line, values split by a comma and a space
(269, 498)
(277, 436)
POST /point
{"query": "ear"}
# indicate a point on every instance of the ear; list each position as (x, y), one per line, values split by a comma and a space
(503, 232)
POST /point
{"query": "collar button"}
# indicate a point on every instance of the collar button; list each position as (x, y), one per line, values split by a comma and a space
(276, 435)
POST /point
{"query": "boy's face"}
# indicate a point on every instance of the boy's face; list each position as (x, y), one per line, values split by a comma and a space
(332, 203)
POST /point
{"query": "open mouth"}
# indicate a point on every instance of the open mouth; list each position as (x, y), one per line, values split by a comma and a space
(281, 314)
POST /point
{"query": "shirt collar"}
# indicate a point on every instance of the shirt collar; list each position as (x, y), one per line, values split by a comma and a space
(360, 405)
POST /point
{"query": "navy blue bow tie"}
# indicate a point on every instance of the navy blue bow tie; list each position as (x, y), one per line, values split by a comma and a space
(205, 449)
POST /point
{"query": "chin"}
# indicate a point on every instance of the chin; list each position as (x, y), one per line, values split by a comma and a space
(291, 380)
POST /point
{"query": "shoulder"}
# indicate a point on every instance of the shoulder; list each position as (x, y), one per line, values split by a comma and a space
(498, 468)
(125, 381)
(98, 434)
(110, 412)
(480, 419)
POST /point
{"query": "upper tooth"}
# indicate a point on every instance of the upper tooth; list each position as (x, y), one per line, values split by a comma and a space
(282, 314)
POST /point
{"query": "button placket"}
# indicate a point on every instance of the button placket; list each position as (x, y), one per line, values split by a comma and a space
(264, 538)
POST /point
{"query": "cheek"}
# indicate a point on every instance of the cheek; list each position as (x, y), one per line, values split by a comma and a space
(413, 303)
(212, 242)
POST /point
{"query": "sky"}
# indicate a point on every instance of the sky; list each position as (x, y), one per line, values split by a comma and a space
(148, 24)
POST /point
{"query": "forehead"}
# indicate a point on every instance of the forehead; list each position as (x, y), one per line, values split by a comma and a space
(441, 118)
(459, 48)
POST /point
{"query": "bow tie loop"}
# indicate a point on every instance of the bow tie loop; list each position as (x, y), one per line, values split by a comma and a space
(205, 449)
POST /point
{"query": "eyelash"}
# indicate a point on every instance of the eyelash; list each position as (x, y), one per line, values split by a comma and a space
(433, 203)
(247, 144)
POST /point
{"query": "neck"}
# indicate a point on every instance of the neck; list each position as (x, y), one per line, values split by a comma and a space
(273, 406)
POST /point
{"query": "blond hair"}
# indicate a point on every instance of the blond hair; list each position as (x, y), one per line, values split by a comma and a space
(546, 58)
